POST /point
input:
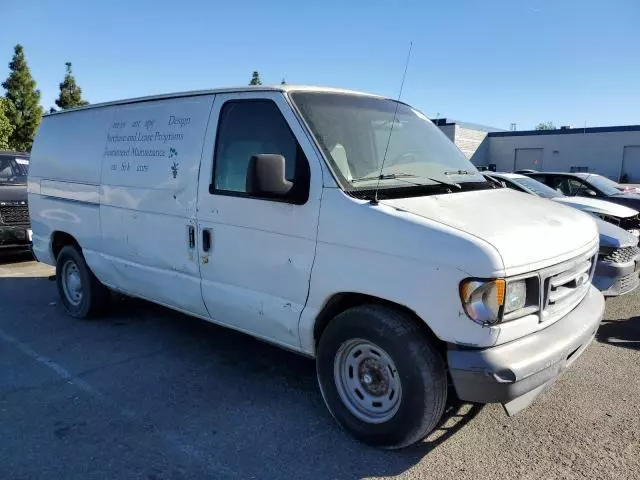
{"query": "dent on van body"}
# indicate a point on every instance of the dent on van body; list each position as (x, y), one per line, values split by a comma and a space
(50, 215)
(527, 231)
(127, 192)
(257, 275)
(148, 200)
(399, 257)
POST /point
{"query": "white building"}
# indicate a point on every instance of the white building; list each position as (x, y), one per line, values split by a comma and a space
(610, 151)
(471, 138)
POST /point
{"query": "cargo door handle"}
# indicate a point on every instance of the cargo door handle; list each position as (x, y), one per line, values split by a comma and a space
(206, 240)
(191, 236)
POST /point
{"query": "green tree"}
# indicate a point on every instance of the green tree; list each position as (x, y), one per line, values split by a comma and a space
(24, 111)
(70, 93)
(255, 79)
(545, 126)
(5, 125)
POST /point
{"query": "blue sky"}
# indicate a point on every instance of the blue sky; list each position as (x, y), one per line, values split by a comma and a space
(491, 62)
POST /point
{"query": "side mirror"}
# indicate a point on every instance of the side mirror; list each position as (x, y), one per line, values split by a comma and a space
(266, 176)
(590, 193)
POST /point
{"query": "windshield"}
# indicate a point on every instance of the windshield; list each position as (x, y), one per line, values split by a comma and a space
(11, 172)
(606, 186)
(536, 187)
(353, 131)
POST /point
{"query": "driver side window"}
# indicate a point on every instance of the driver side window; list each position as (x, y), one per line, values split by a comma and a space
(246, 128)
(576, 187)
(5, 168)
(568, 186)
(9, 169)
(512, 186)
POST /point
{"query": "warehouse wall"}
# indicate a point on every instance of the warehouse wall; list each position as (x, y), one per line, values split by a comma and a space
(602, 152)
(449, 131)
(472, 143)
(481, 155)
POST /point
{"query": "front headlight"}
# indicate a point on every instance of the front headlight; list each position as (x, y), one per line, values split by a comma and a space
(516, 296)
(487, 301)
(483, 300)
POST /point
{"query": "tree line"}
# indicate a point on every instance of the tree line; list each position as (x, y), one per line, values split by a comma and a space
(20, 109)
(256, 80)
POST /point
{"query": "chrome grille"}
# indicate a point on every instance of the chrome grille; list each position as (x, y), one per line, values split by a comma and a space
(565, 285)
(14, 214)
(620, 255)
(626, 283)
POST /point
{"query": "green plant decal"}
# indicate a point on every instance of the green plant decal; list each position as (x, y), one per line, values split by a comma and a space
(174, 169)
(173, 152)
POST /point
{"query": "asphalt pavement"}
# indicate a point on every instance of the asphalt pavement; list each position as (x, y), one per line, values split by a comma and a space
(147, 393)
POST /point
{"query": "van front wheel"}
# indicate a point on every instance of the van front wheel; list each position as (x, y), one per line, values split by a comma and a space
(81, 292)
(380, 376)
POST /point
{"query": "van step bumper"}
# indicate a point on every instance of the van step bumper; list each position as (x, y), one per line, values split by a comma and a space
(515, 373)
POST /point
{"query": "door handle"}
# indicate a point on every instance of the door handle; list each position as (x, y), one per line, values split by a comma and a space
(206, 239)
(191, 236)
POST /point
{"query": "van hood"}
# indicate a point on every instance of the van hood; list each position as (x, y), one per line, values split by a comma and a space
(594, 205)
(529, 232)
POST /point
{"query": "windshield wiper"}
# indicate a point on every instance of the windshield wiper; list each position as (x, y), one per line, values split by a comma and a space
(458, 172)
(402, 176)
(444, 182)
(385, 176)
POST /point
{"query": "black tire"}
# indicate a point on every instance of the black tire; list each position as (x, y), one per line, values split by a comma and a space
(420, 367)
(95, 296)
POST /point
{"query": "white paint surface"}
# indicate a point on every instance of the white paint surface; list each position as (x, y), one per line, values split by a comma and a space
(594, 205)
(273, 266)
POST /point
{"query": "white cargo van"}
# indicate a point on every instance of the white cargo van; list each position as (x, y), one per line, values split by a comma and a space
(269, 210)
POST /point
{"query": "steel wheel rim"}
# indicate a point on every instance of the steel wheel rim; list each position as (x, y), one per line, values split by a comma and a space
(367, 380)
(72, 283)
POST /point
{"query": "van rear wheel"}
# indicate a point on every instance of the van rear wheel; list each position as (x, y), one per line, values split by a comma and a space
(381, 377)
(81, 292)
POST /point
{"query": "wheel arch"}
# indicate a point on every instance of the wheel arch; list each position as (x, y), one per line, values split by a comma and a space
(59, 240)
(343, 301)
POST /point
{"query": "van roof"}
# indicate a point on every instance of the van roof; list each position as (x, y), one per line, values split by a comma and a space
(195, 93)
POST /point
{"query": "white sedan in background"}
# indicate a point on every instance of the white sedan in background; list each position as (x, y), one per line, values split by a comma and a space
(619, 256)
(620, 215)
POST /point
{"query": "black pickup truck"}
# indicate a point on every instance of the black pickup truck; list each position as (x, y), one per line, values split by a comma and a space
(15, 227)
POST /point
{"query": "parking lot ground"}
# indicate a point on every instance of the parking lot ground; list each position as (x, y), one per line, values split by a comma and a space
(152, 394)
(21, 264)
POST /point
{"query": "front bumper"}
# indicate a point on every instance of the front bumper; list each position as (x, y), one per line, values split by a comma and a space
(15, 236)
(614, 279)
(515, 373)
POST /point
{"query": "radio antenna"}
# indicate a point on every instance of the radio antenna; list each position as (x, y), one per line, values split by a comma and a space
(395, 116)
